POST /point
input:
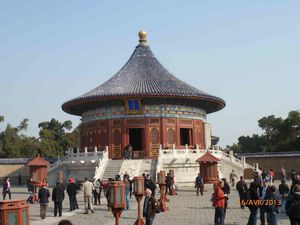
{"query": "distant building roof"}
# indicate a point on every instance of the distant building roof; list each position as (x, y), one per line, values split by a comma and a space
(207, 157)
(22, 160)
(143, 77)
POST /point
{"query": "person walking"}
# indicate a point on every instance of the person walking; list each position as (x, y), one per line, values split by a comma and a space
(30, 190)
(242, 189)
(127, 192)
(253, 195)
(263, 192)
(168, 181)
(87, 189)
(98, 186)
(6, 188)
(226, 190)
(72, 192)
(199, 184)
(292, 205)
(272, 209)
(149, 207)
(58, 196)
(271, 176)
(43, 199)
(283, 173)
(283, 190)
(232, 177)
(219, 204)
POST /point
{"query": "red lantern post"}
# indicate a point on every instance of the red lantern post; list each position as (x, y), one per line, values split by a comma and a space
(117, 198)
(38, 172)
(172, 190)
(161, 177)
(138, 190)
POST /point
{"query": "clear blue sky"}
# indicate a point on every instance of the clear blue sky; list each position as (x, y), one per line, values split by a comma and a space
(246, 52)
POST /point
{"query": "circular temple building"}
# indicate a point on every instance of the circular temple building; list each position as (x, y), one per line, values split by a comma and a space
(146, 106)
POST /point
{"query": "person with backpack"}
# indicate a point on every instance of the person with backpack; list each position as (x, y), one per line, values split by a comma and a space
(242, 188)
(219, 204)
(272, 207)
(292, 205)
(199, 184)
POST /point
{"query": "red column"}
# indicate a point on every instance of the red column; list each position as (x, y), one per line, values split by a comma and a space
(109, 123)
(177, 133)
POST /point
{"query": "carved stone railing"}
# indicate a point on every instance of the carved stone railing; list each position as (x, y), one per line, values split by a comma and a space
(131, 167)
(99, 170)
(193, 154)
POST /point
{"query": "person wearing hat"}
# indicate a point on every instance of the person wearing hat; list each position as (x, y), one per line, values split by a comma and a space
(72, 191)
(43, 196)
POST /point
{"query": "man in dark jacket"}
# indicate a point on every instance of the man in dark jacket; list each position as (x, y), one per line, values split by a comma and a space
(253, 195)
(168, 183)
(241, 187)
(30, 190)
(283, 192)
(226, 190)
(58, 195)
(149, 208)
(43, 200)
(72, 192)
(292, 205)
(199, 184)
(152, 186)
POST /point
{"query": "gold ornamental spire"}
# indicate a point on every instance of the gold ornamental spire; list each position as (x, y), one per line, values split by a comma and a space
(143, 37)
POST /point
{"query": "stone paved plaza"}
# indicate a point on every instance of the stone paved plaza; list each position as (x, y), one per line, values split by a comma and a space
(185, 209)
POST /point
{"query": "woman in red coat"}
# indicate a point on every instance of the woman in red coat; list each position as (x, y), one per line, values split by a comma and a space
(219, 204)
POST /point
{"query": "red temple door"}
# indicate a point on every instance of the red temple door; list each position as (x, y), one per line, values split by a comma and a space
(116, 147)
(154, 142)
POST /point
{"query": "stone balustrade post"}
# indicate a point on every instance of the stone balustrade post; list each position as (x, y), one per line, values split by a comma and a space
(186, 150)
(85, 150)
(78, 153)
(243, 158)
(231, 155)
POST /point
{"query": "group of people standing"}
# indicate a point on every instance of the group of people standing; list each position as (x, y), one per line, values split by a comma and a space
(272, 200)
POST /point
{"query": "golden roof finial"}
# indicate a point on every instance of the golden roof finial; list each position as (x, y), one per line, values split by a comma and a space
(143, 37)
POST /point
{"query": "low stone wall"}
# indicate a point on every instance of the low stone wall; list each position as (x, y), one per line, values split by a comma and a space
(12, 171)
(275, 163)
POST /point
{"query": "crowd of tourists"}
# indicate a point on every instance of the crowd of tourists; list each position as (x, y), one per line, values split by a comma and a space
(92, 191)
(260, 196)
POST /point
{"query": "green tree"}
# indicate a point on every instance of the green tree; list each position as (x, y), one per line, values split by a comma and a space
(54, 140)
(279, 135)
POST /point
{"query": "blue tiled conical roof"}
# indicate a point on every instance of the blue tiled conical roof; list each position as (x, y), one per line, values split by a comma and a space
(143, 77)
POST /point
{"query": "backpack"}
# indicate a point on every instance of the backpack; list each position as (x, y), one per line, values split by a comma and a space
(157, 207)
